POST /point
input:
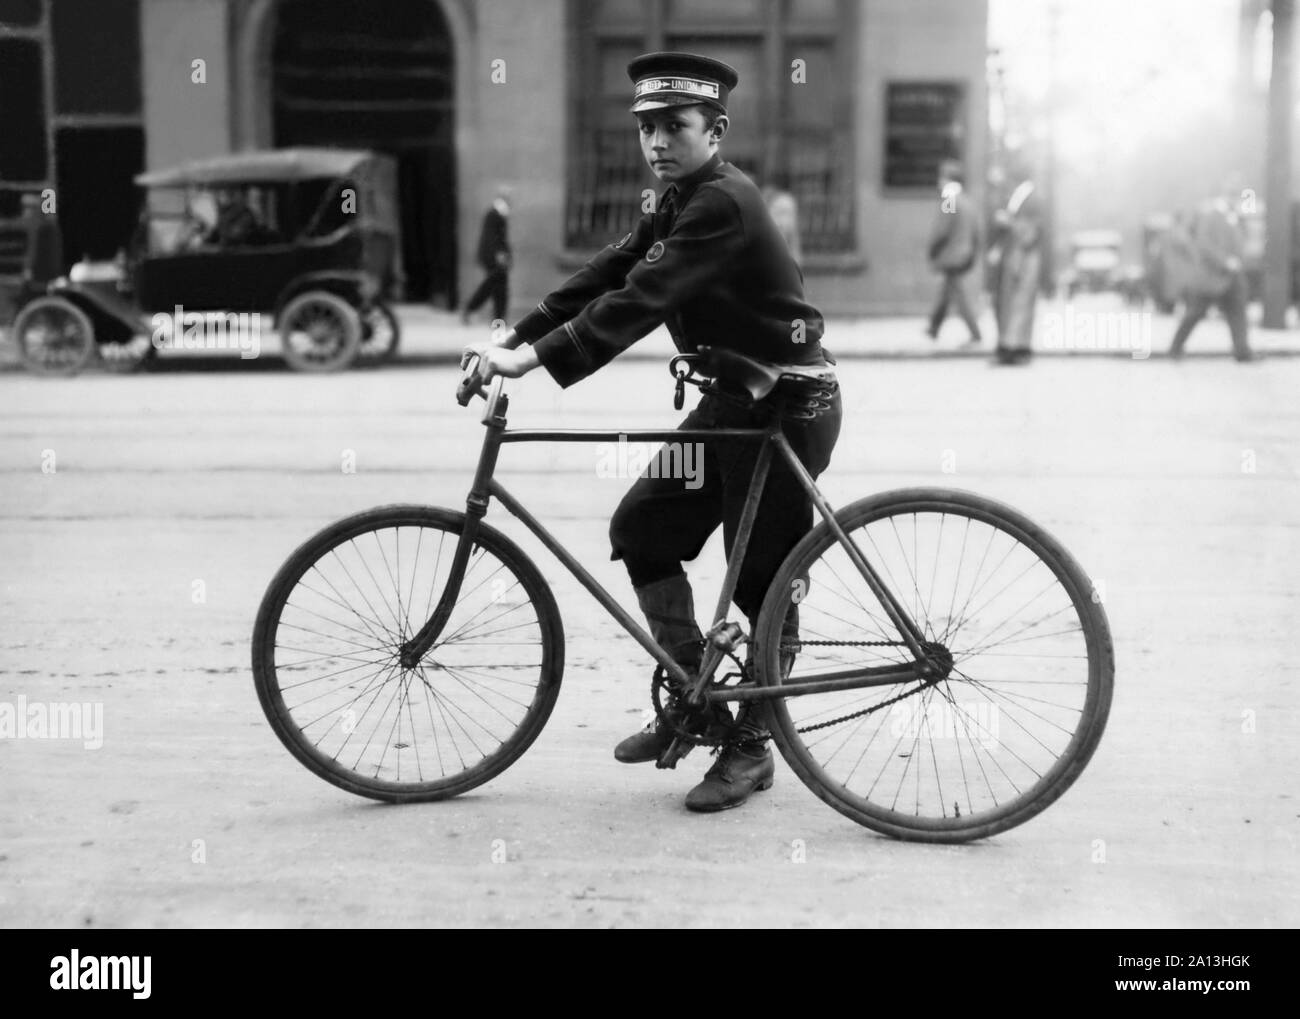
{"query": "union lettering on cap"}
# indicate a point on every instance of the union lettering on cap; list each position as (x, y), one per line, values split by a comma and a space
(691, 86)
(675, 79)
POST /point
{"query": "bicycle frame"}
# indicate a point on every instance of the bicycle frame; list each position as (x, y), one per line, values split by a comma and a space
(719, 639)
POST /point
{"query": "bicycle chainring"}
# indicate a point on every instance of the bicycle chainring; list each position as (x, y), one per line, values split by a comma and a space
(677, 717)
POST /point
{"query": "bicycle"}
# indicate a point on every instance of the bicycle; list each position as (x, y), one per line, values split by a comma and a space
(910, 696)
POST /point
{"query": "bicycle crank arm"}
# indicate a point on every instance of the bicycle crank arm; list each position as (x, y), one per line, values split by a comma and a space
(677, 749)
(721, 640)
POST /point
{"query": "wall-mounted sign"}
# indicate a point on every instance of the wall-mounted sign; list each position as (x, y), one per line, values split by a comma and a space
(925, 123)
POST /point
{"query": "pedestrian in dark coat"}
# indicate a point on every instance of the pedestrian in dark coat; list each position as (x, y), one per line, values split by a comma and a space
(953, 249)
(43, 255)
(1217, 277)
(494, 258)
(1019, 270)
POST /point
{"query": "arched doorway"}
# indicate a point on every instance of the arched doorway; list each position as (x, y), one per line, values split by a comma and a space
(354, 73)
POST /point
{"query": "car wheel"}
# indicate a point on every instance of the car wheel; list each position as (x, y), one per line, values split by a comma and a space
(54, 336)
(319, 331)
(380, 334)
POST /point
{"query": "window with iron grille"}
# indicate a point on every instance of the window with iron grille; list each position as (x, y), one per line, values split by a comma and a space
(71, 118)
(791, 114)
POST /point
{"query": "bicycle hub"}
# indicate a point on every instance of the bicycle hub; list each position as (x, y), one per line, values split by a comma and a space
(938, 660)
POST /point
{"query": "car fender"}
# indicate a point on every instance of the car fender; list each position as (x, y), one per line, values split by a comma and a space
(114, 317)
(354, 286)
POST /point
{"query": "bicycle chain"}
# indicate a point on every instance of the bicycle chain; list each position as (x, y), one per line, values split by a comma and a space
(658, 680)
(865, 711)
(844, 643)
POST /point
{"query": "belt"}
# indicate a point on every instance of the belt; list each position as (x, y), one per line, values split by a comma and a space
(803, 397)
(803, 393)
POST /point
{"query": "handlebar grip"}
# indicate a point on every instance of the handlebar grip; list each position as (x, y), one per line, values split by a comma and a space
(469, 387)
(469, 384)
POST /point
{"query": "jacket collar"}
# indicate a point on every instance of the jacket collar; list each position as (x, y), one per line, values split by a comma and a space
(684, 187)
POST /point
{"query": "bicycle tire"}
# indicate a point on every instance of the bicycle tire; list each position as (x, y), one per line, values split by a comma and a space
(288, 721)
(794, 739)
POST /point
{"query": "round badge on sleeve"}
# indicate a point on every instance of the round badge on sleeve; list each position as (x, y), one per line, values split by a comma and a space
(656, 252)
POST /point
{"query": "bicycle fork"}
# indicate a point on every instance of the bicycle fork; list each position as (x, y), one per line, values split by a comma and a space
(412, 652)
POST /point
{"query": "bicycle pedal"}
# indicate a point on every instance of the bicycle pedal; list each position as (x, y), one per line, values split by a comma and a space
(676, 750)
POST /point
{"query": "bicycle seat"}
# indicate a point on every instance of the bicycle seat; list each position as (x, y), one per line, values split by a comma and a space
(755, 377)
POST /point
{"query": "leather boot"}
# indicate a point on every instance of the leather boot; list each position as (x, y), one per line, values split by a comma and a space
(669, 609)
(740, 770)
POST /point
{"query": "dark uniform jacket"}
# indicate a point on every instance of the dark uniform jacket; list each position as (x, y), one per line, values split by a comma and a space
(710, 263)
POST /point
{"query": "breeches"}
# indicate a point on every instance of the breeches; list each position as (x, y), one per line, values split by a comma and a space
(664, 520)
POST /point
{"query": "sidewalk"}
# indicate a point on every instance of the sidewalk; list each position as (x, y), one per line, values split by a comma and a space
(1090, 327)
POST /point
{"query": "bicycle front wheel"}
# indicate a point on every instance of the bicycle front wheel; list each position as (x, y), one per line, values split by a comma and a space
(1025, 697)
(326, 655)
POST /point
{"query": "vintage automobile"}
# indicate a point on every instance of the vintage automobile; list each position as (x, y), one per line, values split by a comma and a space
(1094, 263)
(304, 238)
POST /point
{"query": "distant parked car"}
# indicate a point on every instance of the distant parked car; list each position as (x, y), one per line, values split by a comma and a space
(1095, 264)
(305, 235)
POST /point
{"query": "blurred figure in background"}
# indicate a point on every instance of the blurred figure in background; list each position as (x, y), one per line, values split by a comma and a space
(43, 257)
(1020, 263)
(954, 246)
(1178, 259)
(1217, 275)
(494, 257)
(237, 221)
(785, 213)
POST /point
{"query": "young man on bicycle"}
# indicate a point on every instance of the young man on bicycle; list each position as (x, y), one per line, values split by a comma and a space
(711, 264)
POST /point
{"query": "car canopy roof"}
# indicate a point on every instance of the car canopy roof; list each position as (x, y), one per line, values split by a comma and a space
(270, 166)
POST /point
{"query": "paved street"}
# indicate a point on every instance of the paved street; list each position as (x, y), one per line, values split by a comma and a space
(135, 560)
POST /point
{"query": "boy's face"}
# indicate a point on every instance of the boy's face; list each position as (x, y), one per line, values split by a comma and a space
(676, 141)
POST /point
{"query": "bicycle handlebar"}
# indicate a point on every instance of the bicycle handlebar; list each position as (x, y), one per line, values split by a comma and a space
(470, 385)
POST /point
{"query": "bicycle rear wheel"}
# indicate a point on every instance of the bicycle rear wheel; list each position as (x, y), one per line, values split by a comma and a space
(326, 644)
(1017, 716)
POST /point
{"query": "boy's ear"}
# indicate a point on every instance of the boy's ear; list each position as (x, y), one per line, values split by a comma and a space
(720, 126)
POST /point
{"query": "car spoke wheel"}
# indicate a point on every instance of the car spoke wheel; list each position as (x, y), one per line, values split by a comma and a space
(319, 331)
(380, 335)
(54, 336)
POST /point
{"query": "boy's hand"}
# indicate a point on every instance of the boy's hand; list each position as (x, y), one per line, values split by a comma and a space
(495, 360)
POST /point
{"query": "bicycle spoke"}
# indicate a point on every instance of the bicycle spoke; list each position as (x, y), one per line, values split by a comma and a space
(336, 622)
